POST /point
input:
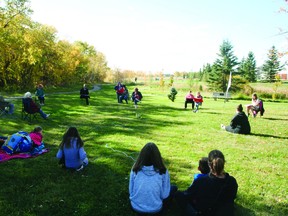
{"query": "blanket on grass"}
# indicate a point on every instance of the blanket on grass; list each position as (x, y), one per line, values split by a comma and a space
(5, 157)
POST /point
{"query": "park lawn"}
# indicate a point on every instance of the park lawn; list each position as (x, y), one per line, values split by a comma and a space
(115, 133)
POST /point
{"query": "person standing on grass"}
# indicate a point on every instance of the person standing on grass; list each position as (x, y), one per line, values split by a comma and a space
(149, 186)
(72, 151)
(40, 93)
(213, 194)
(239, 124)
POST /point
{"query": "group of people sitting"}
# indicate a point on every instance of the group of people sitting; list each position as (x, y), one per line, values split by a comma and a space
(195, 101)
(122, 93)
(211, 193)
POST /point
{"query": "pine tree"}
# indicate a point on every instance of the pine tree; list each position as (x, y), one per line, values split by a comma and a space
(272, 66)
(247, 68)
(218, 78)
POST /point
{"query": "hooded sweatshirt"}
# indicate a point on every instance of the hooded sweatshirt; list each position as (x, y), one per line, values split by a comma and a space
(147, 189)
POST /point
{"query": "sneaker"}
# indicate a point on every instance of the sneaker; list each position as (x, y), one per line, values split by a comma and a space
(47, 116)
(80, 168)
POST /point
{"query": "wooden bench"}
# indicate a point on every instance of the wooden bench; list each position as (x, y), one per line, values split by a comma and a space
(223, 95)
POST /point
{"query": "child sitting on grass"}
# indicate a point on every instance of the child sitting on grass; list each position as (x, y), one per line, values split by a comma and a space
(36, 137)
(71, 150)
(203, 168)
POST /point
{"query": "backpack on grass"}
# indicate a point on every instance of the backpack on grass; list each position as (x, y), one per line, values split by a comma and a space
(18, 142)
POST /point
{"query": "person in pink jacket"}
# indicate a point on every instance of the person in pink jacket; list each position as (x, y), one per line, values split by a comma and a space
(37, 137)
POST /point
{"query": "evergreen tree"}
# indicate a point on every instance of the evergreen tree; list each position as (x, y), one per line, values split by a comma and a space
(247, 68)
(227, 61)
(272, 65)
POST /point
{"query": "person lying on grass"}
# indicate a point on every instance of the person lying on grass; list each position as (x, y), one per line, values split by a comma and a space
(71, 152)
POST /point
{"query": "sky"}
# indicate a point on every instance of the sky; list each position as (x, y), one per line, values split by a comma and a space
(167, 35)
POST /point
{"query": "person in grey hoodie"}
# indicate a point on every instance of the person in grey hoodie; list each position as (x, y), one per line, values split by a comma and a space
(149, 187)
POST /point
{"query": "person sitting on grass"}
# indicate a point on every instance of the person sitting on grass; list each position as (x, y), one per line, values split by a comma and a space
(71, 152)
(189, 98)
(84, 93)
(37, 136)
(136, 97)
(239, 124)
(33, 107)
(213, 194)
(203, 167)
(149, 186)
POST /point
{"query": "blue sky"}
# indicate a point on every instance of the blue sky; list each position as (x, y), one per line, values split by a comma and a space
(167, 35)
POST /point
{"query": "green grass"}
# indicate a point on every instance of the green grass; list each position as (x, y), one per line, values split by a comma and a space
(39, 186)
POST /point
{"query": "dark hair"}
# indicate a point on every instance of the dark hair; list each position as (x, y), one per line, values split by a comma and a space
(216, 162)
(240, 108)
(37, 129)
(150, 155)
(255, 95)
(71, 133)
(203, 165)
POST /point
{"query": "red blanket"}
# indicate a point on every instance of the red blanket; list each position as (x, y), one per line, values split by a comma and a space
(5, 157)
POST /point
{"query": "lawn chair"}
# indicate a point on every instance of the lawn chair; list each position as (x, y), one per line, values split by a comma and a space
(27, 112)
(4, 107)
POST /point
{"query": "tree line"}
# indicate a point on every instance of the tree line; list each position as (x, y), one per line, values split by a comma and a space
(243, 72)
(31, 52)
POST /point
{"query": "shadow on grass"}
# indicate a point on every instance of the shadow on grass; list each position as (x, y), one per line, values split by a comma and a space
(275, 119)
(268, 135)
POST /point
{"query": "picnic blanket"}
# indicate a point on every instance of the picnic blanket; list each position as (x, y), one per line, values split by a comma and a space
(5, 157)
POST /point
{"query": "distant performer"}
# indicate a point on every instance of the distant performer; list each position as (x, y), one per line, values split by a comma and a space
(84, 93)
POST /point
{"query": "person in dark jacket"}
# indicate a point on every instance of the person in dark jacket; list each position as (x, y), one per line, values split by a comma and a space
(31, 107)
(239, 124)
(84, 93)
(213, 194)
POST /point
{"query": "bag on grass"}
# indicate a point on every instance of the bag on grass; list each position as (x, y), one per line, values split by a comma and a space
(18, 142)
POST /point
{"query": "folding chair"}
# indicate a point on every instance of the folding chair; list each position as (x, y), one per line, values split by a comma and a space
(27, 112)
(4, 107)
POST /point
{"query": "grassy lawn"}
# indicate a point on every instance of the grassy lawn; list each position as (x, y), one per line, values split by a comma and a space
(113, 137)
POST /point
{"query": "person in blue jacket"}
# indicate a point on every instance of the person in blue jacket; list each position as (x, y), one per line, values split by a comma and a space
(149, 187)
(72, 151)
